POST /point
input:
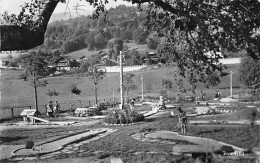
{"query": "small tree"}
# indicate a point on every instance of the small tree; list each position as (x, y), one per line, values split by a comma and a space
(35, 69)
(129, 84)
(51, 93)
(149, 87)
(73, 89)
(212, 80)
(96, 75)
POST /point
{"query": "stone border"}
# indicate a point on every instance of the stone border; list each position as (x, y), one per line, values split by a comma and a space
(129, 124)
(62, 147)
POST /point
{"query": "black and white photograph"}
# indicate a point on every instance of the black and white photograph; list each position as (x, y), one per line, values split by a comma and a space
(130, 81)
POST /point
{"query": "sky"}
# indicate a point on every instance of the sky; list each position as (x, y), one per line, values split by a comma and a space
(13, 6)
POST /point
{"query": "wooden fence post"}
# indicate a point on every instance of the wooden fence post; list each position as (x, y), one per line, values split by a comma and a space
(12, 111)
(46, 109)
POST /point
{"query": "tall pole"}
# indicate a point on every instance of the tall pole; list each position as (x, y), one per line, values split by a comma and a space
(231, 86)
(113, 97)
(142, 82)
(121, 82)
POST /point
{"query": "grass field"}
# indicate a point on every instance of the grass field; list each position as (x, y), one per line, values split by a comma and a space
(16, 93)
(84, 52)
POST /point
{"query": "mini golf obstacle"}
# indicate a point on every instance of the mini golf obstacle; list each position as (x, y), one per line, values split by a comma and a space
(30, 116)
(203, 149)
(85, 112)
(49, 147)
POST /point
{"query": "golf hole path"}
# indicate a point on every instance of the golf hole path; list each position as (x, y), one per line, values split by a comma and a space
(193, 144)
(64, 145)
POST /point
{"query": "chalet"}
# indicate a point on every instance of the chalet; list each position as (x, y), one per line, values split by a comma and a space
(4, 62)
(152, 58)
(65, 64)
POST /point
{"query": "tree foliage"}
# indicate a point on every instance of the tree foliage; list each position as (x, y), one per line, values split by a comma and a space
(192, 28)
(129, 84)
(35, 69)
(212, 80)
(73, 89)
(96, 76)
(250, 72)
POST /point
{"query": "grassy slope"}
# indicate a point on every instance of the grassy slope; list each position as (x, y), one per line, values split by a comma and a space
(15, 92)
(84, 52)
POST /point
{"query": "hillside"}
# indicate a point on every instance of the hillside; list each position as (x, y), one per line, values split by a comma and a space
(85, 52)
(68, 15)
(83, 32)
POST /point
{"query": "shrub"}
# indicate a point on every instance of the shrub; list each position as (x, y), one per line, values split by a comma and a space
(123, 117)
(23, 76)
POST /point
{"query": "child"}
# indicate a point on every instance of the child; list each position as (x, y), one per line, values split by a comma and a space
(182, 120)
(50, 109)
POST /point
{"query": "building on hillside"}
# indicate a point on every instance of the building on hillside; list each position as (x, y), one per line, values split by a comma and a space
(151, 58)
(4, 62)
(65, 64)
(110, 62)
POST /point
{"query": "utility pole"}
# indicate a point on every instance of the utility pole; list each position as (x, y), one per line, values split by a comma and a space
(121, 77)
(142, 83)
(113, 97)
(231, 86)
(121, 81)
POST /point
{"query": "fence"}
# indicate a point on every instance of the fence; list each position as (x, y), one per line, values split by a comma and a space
(125, 68)
(15, 111)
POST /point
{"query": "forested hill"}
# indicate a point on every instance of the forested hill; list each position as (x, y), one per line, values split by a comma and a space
(83, 32)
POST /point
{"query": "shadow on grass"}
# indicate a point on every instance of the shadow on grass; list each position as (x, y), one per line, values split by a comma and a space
(8, 161)
(210, 131)
(10, 139)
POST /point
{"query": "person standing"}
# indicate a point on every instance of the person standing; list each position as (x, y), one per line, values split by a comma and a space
(219, 95)
(50, 109)
(203, 95)
(56, 108)
(132, 104)
(182, 120)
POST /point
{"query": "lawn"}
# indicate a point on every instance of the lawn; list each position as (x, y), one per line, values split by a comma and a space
(16, 93)
(121, 144)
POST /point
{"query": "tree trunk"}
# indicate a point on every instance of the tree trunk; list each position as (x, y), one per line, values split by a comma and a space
(96, 100)
(14, 37)
(36, 100)
(127, 95)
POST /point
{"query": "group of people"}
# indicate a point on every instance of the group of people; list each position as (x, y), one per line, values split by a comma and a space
(53, 109)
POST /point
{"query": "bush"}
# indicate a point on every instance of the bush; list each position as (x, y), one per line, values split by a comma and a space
(123, 117)
(23, 76)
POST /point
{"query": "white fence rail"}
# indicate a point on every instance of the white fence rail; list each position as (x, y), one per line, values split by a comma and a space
(230, 61)
(125, 68)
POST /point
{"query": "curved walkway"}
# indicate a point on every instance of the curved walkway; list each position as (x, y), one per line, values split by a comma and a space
(62, 144)
(200, 145)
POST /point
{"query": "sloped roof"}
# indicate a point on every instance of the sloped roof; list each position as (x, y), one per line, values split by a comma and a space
(30, 112)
